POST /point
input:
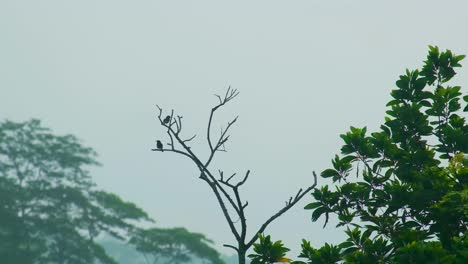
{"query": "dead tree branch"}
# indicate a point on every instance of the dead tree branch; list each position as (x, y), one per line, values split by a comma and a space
(226, 190)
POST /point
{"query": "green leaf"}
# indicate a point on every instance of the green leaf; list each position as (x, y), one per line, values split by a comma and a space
(346, 244)
(312, 205)
(329, 173)
(318, 212)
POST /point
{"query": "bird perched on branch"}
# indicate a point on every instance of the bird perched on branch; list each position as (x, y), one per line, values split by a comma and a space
(159, 145)
(167, 120)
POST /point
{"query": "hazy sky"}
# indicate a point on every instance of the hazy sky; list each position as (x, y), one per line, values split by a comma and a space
(306, 71)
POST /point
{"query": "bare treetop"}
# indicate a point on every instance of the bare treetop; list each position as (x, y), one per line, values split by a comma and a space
(225, 189)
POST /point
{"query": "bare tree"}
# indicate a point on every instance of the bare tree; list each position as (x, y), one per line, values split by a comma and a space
(224, 188)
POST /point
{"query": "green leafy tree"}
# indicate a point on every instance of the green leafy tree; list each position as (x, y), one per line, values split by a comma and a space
(324, 255)
(268, 252)
(408, 201)
(50, 210)
(174, 246)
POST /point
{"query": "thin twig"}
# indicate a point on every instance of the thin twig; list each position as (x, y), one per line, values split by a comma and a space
(282, 211)
(226, 193)
(187, 140)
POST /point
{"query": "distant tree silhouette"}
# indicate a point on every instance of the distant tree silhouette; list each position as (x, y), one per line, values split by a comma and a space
(50, 209)
(225, 189)
(174, 246)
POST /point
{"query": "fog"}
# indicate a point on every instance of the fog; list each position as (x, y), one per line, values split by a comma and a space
(306, 71)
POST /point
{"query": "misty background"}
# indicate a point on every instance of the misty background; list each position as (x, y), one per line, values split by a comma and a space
(306, 71)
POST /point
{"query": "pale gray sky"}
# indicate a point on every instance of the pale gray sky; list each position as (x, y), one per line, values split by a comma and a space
(306, 70)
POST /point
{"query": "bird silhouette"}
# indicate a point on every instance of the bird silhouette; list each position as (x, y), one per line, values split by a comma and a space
(159, 145)
(167, 119)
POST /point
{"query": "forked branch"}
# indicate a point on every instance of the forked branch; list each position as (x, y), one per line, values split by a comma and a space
(225, 189)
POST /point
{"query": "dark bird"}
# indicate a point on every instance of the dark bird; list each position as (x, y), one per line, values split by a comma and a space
(167, 119)
(159, 145)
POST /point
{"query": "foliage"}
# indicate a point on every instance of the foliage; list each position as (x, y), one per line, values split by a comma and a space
(409, 200)
(174, 245)
(50, 209)
(267, 252)
(121, 251)
(324, 255)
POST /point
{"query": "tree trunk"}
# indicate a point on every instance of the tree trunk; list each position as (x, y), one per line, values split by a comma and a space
(241, 253)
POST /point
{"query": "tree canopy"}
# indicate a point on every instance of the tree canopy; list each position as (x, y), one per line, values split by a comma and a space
(51, 211)
(401, 192)
(174, 246)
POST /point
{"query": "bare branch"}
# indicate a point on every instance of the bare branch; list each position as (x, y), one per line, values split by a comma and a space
(213, 183)
(230, 94)
(187, 140)
(282, 211)
(231, 246)
(298, 193)
(172, 140)
(179, 127)
(243, 180)
(219, 98)
(234, 174)
(206, 174)
(221, 144)
(226, 191)
(223, 138)
(172, 116)
(173, 150)
(223, 207)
